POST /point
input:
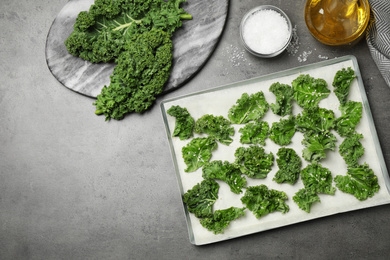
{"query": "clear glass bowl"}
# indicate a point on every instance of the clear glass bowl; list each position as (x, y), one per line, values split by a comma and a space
(253, 12)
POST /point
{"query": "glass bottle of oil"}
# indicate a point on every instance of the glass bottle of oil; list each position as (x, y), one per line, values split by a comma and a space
(337, 22)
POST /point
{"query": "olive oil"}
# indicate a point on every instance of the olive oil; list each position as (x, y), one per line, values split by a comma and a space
(337, 22)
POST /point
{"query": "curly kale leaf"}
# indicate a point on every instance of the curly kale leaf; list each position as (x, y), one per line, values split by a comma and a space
(217, 127)
(283, 131)
(315, 119)
(342, 82)
(184, 122)
(262, 201)
(316, 145)
(305, 198)
(308, 91)
(360, 181)
(351, 113)
(254, 133)
(318, 179)
(254, 161)
(139, 76)
(198, 152)
(221, 219)
(289, 164)
(351, 149)
(201, 198)
(284, 96)
(100, 34)
(248, 108)
(227, 172)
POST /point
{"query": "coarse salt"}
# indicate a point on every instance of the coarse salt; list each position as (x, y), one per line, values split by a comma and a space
(266, 31)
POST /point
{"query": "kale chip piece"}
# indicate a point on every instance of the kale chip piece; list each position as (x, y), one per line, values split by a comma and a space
(262, 201)
(185, 123)
(308, 91)
(217, 127)
(254, 161)
(221, 219)
(284, 97)
(198, 152)
(227, 172)
(201, 198)
(254, 133)
(289, 164)
(360, 181)
(248, 108)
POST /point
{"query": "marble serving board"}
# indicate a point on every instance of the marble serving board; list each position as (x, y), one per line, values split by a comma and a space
(193, 44)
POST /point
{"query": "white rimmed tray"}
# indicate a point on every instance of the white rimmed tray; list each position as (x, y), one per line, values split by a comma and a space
(217, 101)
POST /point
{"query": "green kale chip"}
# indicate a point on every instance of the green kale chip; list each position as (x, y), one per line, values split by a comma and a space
(254, 161)
(217, 127)
(342, 82)
(198, 152)
(316, 144)
(262, 201)
(351, 149)
(221, 219)
(351, 113)
(248, 108)
(282, 132)
(289, 164)
(318, 179)
(227, 172)
(139, 76)
(315, 119)
(305, 198)
(201, 198)
(254, 133)
(360, 181)
(284, 96)
(308, 92)
(184, 122)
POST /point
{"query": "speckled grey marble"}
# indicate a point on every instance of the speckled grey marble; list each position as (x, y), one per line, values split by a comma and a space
(193, 43)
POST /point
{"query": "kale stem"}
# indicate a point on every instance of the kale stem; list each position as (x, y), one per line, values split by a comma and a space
(185, 16)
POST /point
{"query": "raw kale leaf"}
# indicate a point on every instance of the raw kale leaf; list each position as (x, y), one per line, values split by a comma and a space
(217, 127)
(198, 152)
(284, 96)
(262, 201)
(101, 33)
(308, 92)
(221, 219)
(227, 172)
(139, 76)
(201, 198)
(254, 133)
(289, 164)
(360, 181)
(316, 144)
(185, 123)
(315, 119)
(254, 161)
(342, 82)
(248, 108)
(305, 198)
(136, 35)
(318, 179)
(283, 131)
(351, 113)
(351, 149)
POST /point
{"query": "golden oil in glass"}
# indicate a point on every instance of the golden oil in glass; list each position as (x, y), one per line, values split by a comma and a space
(337, 22)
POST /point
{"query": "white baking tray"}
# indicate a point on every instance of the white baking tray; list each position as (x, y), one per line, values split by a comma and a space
(217, 101)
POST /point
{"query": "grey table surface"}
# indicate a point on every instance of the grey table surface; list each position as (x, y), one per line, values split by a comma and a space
(73, 186)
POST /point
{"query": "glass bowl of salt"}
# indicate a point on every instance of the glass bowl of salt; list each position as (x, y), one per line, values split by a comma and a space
(265, 31)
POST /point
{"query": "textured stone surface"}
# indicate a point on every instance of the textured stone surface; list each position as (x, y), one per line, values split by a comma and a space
(193, 44)
(73, 186)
